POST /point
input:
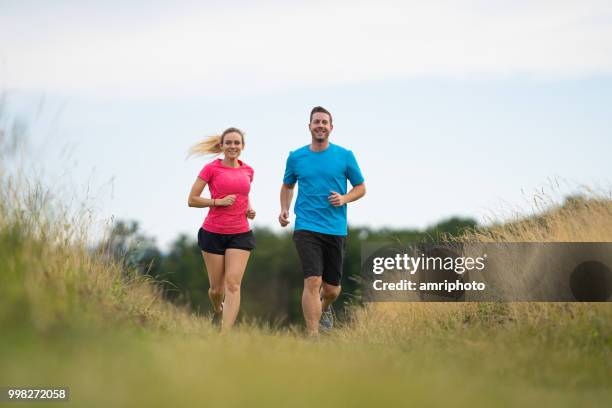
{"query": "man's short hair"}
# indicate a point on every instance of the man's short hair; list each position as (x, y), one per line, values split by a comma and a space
(320, 109)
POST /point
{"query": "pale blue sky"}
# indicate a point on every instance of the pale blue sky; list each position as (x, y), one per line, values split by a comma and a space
(438, 130)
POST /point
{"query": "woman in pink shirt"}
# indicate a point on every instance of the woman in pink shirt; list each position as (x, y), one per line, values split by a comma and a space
(225, 238)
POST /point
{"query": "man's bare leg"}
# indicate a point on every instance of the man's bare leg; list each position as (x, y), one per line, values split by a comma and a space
(329, 293)
(311, 304)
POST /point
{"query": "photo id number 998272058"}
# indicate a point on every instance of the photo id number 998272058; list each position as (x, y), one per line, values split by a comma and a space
(34, 394)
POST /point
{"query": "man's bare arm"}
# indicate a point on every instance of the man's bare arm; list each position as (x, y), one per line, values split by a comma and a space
(355, 194)
(286, 196)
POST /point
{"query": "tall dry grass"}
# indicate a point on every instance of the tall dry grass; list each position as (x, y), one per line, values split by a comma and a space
(51, 277)
(587, 219)
(578, 220)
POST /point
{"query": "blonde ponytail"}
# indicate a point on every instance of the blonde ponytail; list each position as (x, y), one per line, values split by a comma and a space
(212, 144)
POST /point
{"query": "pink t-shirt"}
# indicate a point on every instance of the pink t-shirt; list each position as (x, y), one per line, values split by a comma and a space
(223, 181)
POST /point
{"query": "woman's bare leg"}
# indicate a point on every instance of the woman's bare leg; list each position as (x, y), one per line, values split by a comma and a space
(215, 265)
(235, 264)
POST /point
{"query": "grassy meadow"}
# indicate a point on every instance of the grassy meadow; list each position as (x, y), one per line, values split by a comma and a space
(76, 318)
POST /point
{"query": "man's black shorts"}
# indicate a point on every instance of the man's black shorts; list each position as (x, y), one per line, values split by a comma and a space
(321, 255)
(218, 243)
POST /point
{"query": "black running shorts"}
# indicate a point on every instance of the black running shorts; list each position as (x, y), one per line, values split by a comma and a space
(218, 243)
(321, 255)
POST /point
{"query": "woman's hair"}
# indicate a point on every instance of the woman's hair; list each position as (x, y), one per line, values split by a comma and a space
(212, 144)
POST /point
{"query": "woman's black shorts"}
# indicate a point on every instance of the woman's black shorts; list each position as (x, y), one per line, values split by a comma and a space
(218, 243)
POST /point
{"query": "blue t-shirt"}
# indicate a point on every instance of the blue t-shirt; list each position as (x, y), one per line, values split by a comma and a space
(317, 175)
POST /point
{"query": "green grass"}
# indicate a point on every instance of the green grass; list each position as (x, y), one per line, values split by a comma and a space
(508, 365)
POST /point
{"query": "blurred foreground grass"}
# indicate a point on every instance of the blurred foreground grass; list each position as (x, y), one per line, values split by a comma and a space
(76, 318)
(560, 362)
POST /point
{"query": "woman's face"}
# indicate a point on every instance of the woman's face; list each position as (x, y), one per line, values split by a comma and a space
(232, 145)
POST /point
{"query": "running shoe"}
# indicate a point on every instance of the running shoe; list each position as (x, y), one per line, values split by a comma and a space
(217, 318)
(327, 319)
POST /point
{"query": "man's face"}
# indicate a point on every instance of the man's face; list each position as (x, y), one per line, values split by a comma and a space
(320, 127)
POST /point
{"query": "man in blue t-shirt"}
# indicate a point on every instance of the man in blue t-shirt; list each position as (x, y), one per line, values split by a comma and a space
(321, 169)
